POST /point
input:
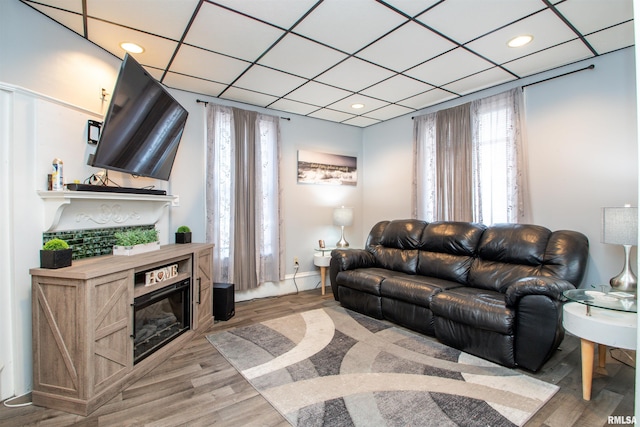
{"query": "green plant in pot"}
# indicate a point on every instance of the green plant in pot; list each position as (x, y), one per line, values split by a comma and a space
(183, 234)
(136, 240)
(136, 236)
(55, 253)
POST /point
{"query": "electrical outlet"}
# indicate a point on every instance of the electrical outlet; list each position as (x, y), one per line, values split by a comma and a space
(295, 260)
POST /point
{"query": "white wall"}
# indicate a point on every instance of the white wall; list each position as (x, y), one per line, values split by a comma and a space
(582, 144)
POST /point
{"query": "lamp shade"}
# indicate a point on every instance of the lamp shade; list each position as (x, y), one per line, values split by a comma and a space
(343, 216)
(620, 226)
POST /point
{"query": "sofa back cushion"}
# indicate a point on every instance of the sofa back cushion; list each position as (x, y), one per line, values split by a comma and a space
(395, 244)
(508, 252)
(447, 249)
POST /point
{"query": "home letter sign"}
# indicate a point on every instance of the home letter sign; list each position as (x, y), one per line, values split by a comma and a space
(161, 274)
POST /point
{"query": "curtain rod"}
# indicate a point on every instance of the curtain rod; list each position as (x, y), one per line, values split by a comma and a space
(200, 101)
(590, 67)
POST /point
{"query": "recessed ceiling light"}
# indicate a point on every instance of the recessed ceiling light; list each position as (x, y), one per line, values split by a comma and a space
(131, 47)
(520, 41)
(357, 106)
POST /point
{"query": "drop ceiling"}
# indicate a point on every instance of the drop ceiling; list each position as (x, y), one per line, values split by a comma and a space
(319, 57)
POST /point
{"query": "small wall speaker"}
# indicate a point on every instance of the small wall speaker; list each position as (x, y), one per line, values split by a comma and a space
(223, 301)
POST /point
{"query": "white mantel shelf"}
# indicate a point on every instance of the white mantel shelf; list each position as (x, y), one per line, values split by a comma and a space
(81, 210)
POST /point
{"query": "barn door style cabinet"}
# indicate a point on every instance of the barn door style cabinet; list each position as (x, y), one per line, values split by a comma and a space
(104, 322)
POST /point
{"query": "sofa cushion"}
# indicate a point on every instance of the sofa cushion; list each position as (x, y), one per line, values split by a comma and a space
(364, 279)
(447, 250)
(514, 243)
(403, 234)
(498, 276)
(398, 260)
(507, 252)
(480, 308)
(457, 238)
(418, 290)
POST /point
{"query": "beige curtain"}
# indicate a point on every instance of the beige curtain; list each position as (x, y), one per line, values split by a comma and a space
(245, 272)
(243, 196)
(470, 162)
(454, 165)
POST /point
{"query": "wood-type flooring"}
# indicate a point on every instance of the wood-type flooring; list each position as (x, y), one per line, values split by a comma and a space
(198, 387)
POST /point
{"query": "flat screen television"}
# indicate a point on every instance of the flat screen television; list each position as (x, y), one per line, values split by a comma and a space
(143, 126)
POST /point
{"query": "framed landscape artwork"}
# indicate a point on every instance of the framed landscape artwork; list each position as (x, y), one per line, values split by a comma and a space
(325, 168)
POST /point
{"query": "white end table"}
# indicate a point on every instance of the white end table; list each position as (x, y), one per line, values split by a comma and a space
(605, 319)
(322, 259)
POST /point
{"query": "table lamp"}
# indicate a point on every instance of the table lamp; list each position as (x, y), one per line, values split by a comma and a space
(620, 227)
(342, 217)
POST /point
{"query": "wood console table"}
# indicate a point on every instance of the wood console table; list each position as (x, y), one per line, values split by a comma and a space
(83, 324)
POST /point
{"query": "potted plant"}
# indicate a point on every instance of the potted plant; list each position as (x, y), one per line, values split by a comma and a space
(136, 241)
(183, 234)
(55, 253)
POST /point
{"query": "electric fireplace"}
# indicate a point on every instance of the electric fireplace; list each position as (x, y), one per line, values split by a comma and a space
(159, 317)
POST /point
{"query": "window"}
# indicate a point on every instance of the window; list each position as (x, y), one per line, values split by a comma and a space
(243, 196)
(498, 170)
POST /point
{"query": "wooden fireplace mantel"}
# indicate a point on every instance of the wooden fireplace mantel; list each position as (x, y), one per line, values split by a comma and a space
(83, 323)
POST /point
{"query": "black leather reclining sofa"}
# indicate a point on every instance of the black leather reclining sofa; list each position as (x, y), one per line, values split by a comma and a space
(494, 291)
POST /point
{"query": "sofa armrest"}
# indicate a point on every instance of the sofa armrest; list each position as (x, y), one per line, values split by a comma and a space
(539, 285)
(348, 259)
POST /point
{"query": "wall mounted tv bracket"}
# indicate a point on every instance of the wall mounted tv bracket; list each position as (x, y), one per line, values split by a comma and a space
(93, 131)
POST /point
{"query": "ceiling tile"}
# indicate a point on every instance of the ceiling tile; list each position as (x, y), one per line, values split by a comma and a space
(613, 38)
(230, 33)
(361, 121)
(332, 115)
(465, 20)
(72, 20)
(192, 84)
(549, 59)
(399, 50)
(349, 25)
(293, 107)
(248, 97)
(426, 99)
(594, 15)
(283, 13)
(389, 112)
(354, 74)
(302, 57)
(449, 67)
(396, 88)
(157, 50)
(369, 104)
(266, 80)
(318, 94)
(167, 18)
(545, 27)
(412, 7)
(483, 80)
(68, 5)
(207, 65)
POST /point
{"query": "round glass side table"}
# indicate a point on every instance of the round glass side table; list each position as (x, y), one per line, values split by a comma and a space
(618, 301)
(608, 319)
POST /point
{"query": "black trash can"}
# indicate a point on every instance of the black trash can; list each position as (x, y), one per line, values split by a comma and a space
(223, 301)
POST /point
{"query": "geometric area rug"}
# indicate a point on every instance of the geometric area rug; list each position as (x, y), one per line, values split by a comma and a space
(335, 367)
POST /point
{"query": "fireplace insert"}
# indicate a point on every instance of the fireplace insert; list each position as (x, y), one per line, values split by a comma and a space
(159, 317)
